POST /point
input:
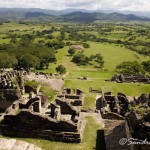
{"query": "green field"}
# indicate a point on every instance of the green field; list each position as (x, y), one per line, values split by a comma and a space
(113, 54)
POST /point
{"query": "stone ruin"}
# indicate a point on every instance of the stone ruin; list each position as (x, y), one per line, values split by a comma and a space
(112, 106)
(94, 90)
(138, 127)
(13, 144)
(131, 78)
(121, 122)
(11, 87)
(58, 121)
(6, 79)
(144, 99)
(75, 98)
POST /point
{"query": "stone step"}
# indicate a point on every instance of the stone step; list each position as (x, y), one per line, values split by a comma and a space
(13, 144)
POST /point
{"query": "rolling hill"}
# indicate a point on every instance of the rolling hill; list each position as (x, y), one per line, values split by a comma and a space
(88, 17)
(36, 14)
(67, 15)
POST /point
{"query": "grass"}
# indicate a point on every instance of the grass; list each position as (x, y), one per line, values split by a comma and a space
(46, 89)
(49, 92)
(131, 89)
(33, 84)
(88, 143)
(113, 56)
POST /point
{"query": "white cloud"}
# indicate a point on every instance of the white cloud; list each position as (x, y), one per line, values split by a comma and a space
(139, 5)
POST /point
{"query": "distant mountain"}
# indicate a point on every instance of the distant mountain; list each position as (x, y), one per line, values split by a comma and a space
(79, 15)
(36, 14)
(88, 17)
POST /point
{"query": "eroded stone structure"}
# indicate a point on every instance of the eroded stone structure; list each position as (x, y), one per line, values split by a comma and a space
(75, 98)
(11, 87)
(58, 121)
(112, 106)
(131, 78)
(138, 128)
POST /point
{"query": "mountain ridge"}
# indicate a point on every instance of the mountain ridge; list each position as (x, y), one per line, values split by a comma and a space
(78, 15)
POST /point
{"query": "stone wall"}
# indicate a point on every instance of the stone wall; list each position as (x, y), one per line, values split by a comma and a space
(133, 130)
(7, 97)
(27, 124)
(113, 116)
(66, 108)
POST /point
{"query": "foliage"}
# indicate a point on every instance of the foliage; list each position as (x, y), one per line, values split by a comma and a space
(27, 61)
(146, 65)
(55, 44)
(32, 83)
(26, 39)
(61, 69)
(86, 45)
(62, 36)
(71, 51)
(130, 67)
(98, 58)
(80, 59)
(50, 93)
(7, 61)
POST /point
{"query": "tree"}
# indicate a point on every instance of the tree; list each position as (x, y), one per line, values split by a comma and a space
(80, 59)
(13, 39)
(130, 67)
(61, 69)
(71, 51)
(86, 45)
(7, 61)
(146, 65)
(27, 61)
(99, 60)
(26, 39)
(62, 35)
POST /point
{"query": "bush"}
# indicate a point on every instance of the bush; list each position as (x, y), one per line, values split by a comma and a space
(80, 59)
(86, 45)
(71, 51)
(146, 65)
(7, 61)
(61, 69)
(130, 67)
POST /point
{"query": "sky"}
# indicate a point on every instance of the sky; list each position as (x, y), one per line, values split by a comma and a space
(123, 5)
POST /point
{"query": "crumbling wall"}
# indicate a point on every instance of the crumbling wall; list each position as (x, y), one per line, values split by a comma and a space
(66, 108)
(137, 129)
(113, 116)
(7, 97)
(27, 124)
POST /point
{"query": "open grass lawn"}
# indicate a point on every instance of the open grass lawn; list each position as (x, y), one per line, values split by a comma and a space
(88, 143)
(131, 89)
(113, 56)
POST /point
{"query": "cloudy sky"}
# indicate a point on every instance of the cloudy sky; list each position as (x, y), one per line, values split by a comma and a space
(138, 5)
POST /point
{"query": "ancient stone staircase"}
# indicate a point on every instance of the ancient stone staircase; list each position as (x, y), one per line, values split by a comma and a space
(13, 144)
